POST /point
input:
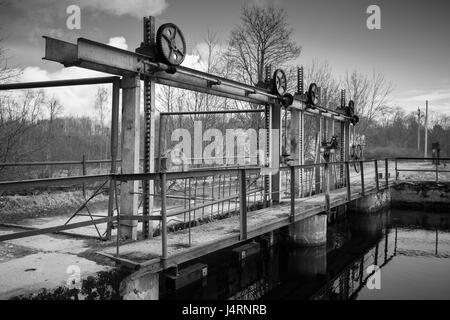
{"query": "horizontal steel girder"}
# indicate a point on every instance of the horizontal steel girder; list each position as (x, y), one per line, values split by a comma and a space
(104, 58)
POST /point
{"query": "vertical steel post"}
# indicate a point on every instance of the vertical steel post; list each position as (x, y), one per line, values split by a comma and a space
(149, 129)
(418, 130)
(297, 147)
(342, 153)
(83, 163)
(275, 148)
(437, 171)
(386, 169)
(163, 218)
(268, 151)
(114, 148)
(425, 149)
(347, 178)
(361, 170)
(332, 133)
(326, 170)
(293, 192)
(300, 82)
(298, 120)
(130, 152)
(242, 205)
(317, 175)
(396, 171)
(377, 183)
(301, 131)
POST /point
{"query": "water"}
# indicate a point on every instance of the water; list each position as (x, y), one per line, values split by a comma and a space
(411, 249)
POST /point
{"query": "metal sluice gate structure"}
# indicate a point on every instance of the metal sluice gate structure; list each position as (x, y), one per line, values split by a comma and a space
(238, 189)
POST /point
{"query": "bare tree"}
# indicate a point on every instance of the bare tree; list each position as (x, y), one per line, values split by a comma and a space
(7, 72)
(18, 115)
(54, 109)
(263, 38)
(321, 73)
(370, 94)
(101, 105)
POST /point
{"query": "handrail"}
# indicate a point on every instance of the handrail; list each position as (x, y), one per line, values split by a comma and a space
(14, 185)
(241, 197)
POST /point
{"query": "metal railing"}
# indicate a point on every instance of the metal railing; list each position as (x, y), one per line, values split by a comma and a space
(240, 190)
(426, 169)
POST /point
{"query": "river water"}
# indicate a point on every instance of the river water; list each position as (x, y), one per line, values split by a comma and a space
(389, 255)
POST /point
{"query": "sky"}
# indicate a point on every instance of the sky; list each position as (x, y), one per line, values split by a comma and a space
(411, 49)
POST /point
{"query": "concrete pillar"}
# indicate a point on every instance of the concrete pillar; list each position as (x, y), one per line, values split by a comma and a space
(130, 153)
(275, 151)
(309, 232)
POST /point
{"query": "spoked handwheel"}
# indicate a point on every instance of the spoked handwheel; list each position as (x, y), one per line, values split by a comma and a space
(279, 85)
(171, 44)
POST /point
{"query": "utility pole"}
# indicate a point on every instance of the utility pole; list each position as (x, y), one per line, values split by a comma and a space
(426, 131)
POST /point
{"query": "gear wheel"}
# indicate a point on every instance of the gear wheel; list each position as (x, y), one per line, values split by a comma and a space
(170, 44)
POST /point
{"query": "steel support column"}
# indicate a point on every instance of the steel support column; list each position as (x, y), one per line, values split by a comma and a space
(297, 148)
(149, 133)
(114, 149)
(275, 151)
(130, 153)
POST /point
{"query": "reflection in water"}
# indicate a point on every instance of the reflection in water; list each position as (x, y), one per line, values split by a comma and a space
(412, 250)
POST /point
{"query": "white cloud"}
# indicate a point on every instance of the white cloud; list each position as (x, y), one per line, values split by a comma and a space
(202, 50)
(118, 42)
(136, 8)
(76, 100)
(193, 61)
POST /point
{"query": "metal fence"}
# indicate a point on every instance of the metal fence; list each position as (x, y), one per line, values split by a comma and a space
(186, 199)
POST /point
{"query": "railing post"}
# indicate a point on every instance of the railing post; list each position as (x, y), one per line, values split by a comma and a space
(83, 164)
(242, 205)
(361, 170)
(396, 172)
(347, 180)
(163, 219)
(377, 182)
(293, 193)
(113, 196)
(437, 171)
(326, 169)
(386, 169)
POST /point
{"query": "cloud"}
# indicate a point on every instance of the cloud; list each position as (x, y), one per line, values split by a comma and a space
(118, 42)
(135, 8)
(193, 61)
(76, 100)
(200, 54)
